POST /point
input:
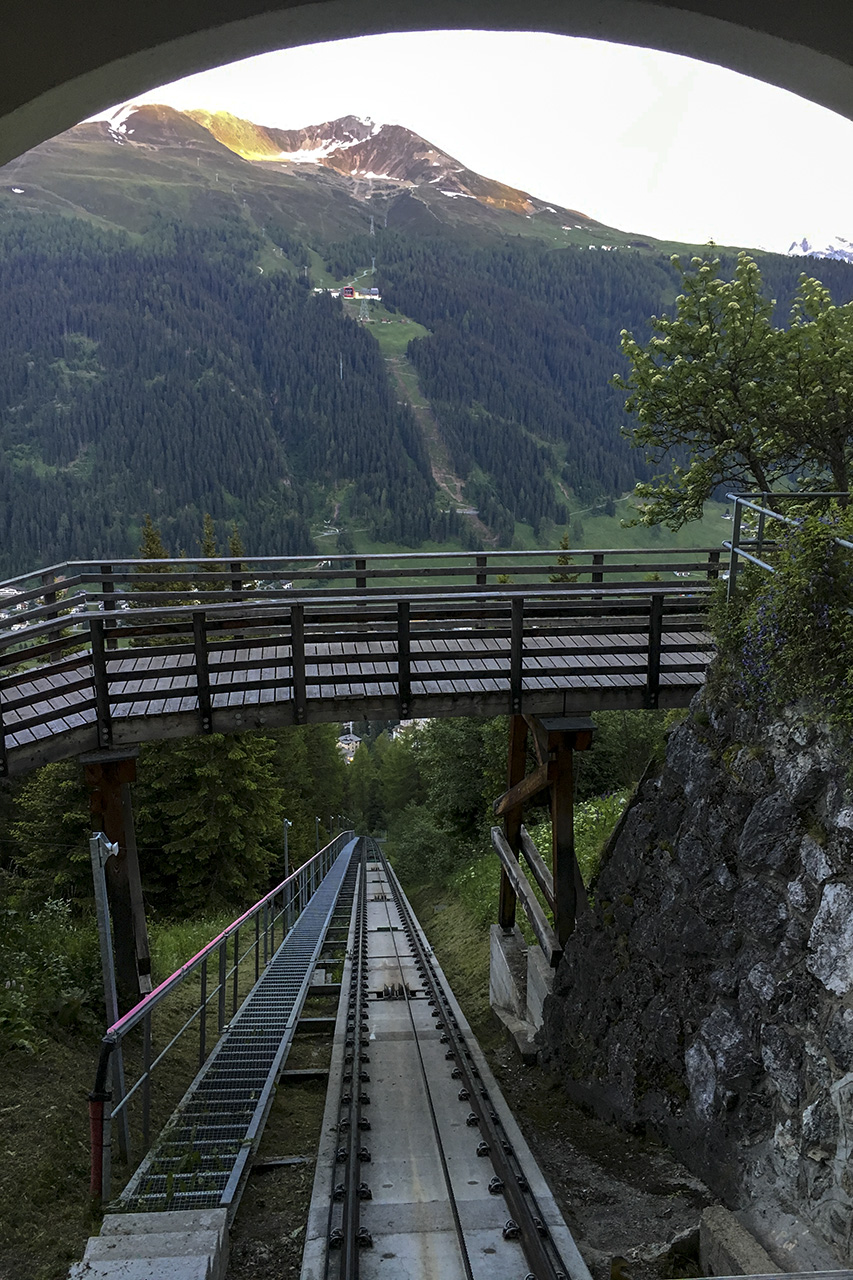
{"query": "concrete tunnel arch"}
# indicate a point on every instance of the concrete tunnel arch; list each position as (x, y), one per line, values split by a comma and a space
(62, 62)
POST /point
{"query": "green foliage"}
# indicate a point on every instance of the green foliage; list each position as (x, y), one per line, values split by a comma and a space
(439, 781)
(49, 971)
(49, 832)
(168, 378)
(623, 744)
(208, 844)
(209, 817)
(726, 397)
(476, 883)
(594, 823)
(419, 844)
(787, 637)
(563, 559)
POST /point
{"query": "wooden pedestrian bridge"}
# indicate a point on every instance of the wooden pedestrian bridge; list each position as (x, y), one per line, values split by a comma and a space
(98, 656)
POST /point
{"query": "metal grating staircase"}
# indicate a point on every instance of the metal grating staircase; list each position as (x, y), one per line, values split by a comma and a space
(201, 1156)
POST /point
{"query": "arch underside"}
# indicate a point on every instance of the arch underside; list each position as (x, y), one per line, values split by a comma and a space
(61, 63)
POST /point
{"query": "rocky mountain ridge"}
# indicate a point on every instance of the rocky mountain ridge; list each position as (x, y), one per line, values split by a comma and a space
(366, 152)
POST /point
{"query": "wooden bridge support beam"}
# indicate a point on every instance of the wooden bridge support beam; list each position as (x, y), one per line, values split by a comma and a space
(108, 780)
(554, 741)
(564, 738)
(512, 819)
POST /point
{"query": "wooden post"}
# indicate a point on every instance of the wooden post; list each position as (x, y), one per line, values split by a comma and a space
(517, 758)
(108, 780)
(297, 663)
(101, 681)
(565, 735)
(516, 655)
(563, 836)
(108, 587)
(202, 672)
(404, 659)
(653, 661)
(236, 567)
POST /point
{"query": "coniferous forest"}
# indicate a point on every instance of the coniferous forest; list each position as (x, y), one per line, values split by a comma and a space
(172, 359)
(173, 379)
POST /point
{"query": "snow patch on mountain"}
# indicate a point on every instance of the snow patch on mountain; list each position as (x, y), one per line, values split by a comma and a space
(837, 247)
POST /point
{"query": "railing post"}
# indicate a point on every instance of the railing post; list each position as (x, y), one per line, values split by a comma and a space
(202, 1024)
(266, 931)
(759, 550)
(108, 587)
(733, 559)
(597, 559)
(202, 671)
(404, 659)
(297, 662)
(257, 945)
(48, 580)
(106, 1147)
(223, 964)
(235, 982)
(236, 581)
(146, 1088)
(482, 562)
(4, 758)
(516, 658)
(360, 579)
(714, 565)
(102, 691)
(653, 660)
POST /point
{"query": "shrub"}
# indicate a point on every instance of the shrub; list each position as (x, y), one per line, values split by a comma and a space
(786, 637)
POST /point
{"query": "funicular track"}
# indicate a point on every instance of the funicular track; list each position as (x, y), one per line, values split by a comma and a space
(202, 1157)
(422, 1171)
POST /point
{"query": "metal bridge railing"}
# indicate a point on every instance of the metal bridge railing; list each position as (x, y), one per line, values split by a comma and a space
(756, 508)
(226, 969)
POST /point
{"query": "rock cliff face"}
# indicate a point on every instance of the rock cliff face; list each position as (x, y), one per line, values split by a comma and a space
(708, 996)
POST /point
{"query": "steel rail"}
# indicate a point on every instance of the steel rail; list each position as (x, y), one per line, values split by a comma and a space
(527, 1222)
(442, 1155)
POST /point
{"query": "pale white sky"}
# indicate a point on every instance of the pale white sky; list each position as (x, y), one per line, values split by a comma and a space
(641, 140)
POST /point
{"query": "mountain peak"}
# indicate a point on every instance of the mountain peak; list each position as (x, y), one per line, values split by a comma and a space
(837, 248)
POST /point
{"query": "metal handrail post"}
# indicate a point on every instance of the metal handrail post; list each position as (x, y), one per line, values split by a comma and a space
(202, 1026)
(146, 1088)
(761, 522)
(236, 975)
(100, 850)
(223, 962)
(106, 1145)
(733, 558)
(257, 947)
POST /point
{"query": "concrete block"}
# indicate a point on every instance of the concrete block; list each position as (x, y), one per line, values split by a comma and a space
(142, 1269)
(727, 1249)
(134, 1224)
(184, 1232)
(508, 971)
(154, 1244)
(521, 1032)
(540, 983)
